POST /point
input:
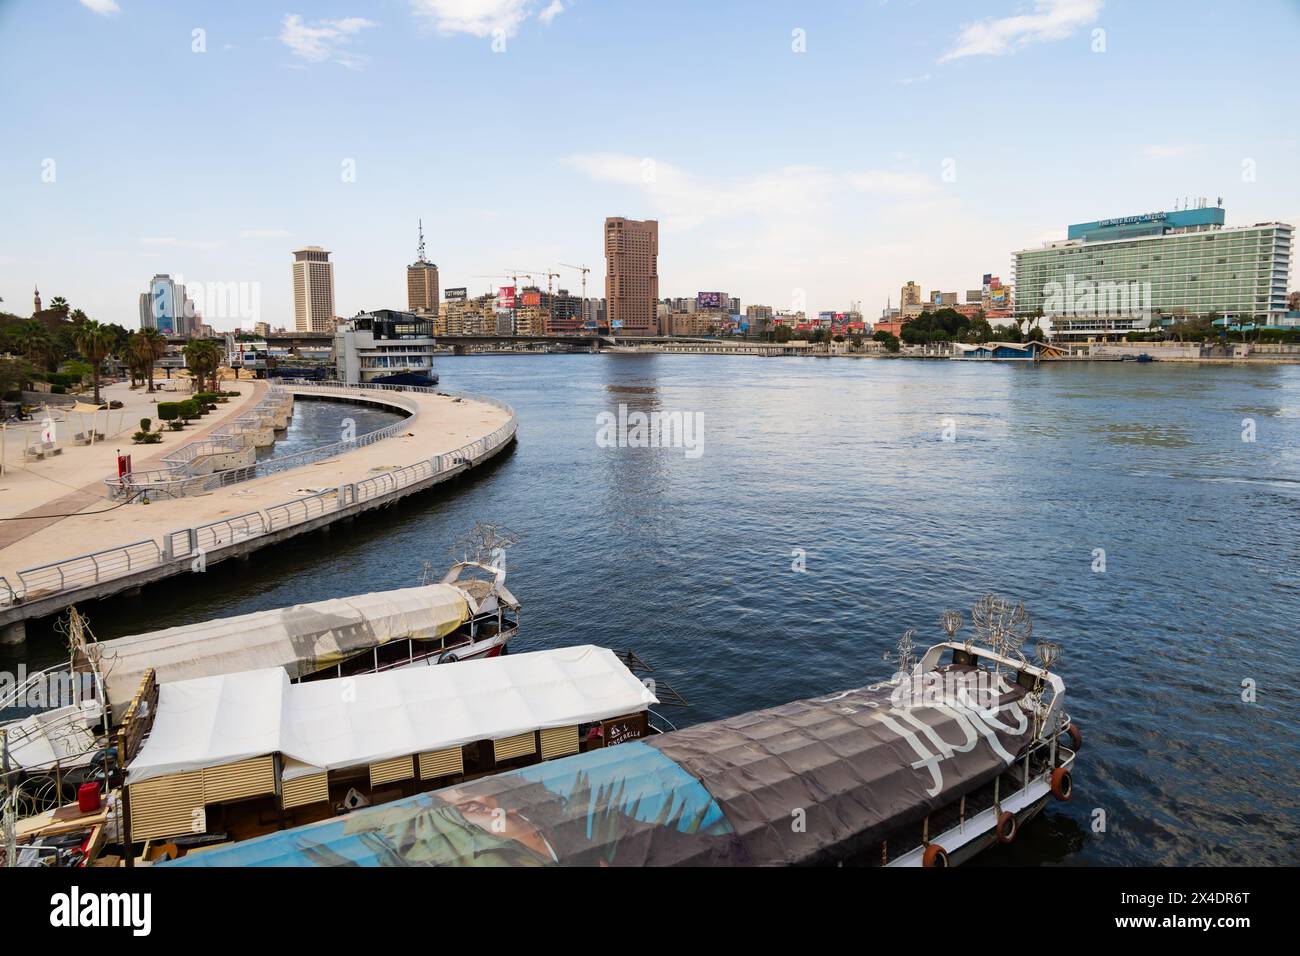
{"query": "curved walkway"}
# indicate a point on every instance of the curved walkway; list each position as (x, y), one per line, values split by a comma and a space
(23, 484)
(108, 549)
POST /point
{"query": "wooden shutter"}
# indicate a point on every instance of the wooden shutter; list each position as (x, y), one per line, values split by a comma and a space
(559, 741)
(391, 771)
(167, 806)
(441, 763)
(301, 791)
(519, 745)
(234, 781)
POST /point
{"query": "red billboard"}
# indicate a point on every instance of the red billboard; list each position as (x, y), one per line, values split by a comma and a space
(532, 298)
(506, 297)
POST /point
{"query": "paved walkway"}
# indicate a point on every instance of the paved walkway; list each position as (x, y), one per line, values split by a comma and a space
(58, 485)
(441, 425)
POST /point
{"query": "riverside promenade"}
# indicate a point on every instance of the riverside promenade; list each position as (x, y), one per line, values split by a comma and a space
(107, 546)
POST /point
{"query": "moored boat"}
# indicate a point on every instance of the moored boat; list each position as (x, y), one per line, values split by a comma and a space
(950, 755)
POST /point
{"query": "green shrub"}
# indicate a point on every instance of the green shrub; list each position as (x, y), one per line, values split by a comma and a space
(175, 426)
(146, 438)
(146, 424)
(58, 390)
(169, 411)
(189, 409)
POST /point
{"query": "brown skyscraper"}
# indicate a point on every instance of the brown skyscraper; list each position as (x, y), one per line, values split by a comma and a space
(422, 282)
(632, 275)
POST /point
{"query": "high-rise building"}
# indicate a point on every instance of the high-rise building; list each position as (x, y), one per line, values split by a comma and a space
(632, 275)
(911, 295)
(313, 290)
(422, 282)
(166, 307)
(1113, 276)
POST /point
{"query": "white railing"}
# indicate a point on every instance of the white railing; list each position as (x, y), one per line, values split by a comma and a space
(90, 569)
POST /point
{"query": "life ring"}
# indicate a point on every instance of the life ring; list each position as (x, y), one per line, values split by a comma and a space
(448, 658)
(1007, 827)
(934, 856)
(1076, 737)
(1062, 784)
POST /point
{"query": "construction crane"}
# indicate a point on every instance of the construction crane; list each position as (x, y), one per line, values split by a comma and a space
(584, 270)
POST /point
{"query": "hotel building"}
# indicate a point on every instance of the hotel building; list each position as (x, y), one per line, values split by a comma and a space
(313, 290)
(1113, 276)
(632, 275)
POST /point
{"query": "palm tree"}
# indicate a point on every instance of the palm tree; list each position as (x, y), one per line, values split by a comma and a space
(94, 341)
(150, 345)
(59, 303)
(203, 358)
(35, 341)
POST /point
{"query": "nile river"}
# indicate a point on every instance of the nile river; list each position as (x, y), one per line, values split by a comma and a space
(688, 560)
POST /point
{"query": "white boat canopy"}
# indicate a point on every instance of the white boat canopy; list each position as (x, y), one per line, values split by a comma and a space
(301, 639)
(352, 721)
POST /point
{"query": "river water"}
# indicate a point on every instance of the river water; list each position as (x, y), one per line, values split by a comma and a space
(1145, 514)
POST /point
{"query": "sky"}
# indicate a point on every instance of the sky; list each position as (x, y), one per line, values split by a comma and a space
(799, 155)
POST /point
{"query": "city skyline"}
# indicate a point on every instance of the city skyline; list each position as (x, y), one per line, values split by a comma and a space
(844, 198)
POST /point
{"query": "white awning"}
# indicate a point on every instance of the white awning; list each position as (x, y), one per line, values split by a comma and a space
(353, 721)
(302, 639)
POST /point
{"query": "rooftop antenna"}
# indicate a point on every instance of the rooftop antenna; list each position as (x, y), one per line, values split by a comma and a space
(1220, 202)
(421, 252)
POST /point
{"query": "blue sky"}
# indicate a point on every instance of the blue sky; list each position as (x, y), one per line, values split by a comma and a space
(920, 140)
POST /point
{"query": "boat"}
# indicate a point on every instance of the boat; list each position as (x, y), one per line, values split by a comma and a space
(952, 754)
(63, 732)
(219, 759)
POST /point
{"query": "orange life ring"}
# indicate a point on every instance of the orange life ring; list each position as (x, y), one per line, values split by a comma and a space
(1076, 737)
(1062, 784)
(1007, 826)
(934, 856)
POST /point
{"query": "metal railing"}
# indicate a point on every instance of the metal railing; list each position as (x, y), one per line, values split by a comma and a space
(90, 569)
(177, 478)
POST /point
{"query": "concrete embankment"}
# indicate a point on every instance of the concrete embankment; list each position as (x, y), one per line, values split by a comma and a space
(106, 549)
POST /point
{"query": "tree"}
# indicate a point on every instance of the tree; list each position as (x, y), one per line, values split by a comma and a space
(59, 304)
(781, 333)
(203, 358)
(95, 342)
(35, 342)
(889, 339)
(150, 346)
(14, 374)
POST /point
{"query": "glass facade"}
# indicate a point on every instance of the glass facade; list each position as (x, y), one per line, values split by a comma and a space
(1239, 273)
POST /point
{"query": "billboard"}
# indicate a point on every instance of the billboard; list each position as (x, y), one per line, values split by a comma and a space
(532, 298)
(506, 297)
(711, 300)
(998, 297)
(459, 294)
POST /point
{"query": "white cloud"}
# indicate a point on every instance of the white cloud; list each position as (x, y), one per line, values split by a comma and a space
(483, 18)
(324, 41)
(911, 80)
(478, 18)
(265, 234)
(1051, 20)
(105, 8)
(1171, 150)
(685, 201)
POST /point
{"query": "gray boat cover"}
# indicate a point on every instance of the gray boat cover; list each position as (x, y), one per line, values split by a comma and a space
(807, 782)
(819, 780)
